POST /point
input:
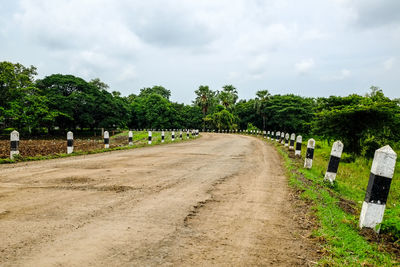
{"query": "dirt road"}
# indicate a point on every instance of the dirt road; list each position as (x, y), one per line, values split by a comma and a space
(219, 200)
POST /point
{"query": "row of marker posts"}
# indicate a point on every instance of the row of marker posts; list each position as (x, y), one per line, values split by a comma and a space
(381, 175)
(14, 140)
(380, 179)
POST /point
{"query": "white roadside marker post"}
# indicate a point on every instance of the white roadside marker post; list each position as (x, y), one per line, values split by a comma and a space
(70, 142)
(299, 140)
(130, 138)
(265, 134)
(187, 134)
(162, 136)
(150, 136)
(14, 144)
(336, 153)
(292, 138)
(180, 134)
(287, 136)
(309, 154)
(268, 134)
(282, 138)
(374, 204)
(278, 136)
(173, 136)
(106, 139)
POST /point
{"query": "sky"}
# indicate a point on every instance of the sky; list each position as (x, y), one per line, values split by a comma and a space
(309, 48)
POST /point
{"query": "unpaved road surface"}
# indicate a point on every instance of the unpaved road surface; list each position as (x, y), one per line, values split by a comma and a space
(219, 200)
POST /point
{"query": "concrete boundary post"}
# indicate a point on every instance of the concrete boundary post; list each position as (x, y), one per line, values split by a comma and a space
(278, 136)
(265, 134)
(162, 136)
(287, 136)
(299, 140)
(106, 139)
(150, 136)
(380, 178)
(292, 138)
(333, 165)
(173, 136)
(282, 138)
(14, 144)
(268, 134)
(187, 134)
(310, 154)
(70, 142)
(130, 138)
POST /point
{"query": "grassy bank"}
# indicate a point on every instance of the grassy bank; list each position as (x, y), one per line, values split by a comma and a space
(140, 139)
(337, 208)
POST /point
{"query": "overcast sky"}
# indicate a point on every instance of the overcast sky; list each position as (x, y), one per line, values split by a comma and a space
(309, 47)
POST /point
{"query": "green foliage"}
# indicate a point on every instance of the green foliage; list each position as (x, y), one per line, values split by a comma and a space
(222, 120)
(67, 102)
(361, 123)
(261, 102)
(251, 127)
(165, 93)
(289, 113)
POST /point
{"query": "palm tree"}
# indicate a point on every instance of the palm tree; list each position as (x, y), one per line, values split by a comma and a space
(205, 98)
(260, 103)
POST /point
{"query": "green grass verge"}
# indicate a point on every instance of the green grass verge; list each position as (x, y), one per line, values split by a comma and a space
(139, 139)
(341, 239)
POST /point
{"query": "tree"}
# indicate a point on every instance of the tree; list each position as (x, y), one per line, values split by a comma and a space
(158, 89)
(14, 78)
(246, 113)
(228, 96)
(261, 102)
(205, 98)
(361, 123)
(221, 120)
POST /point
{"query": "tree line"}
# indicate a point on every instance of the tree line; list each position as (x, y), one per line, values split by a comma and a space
(58, 103)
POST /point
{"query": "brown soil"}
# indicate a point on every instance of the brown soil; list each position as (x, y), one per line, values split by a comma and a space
(220, 200)
(42, 147)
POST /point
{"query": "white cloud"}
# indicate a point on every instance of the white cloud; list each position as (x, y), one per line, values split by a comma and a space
(304, 66)
(341, 75)
(128, 73)
(388, 64)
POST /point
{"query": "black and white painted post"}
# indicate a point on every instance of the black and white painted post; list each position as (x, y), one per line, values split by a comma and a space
(149, 137)
(309, 154)
(70, 142)
(291, 144)
(130, 138)
(106, 139)
(287, 136)
(180, 134)
(299, 140)
(268, 134)
(336, 153)
(162, 136)
(187, 134)
(173, 136)
(265, 134)
(278, 135)
(374, 204)
(14, 144)
(282, 138)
